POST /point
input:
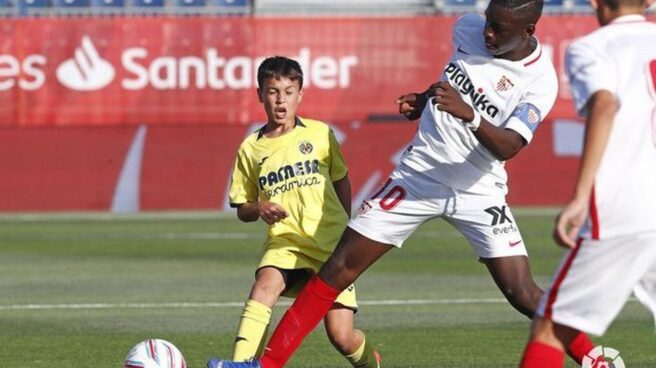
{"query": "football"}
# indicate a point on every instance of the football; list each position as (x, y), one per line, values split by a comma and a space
(154, 353)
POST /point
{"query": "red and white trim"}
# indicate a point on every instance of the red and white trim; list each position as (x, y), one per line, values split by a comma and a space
(562, 273)
(594, 215)
(536, 58)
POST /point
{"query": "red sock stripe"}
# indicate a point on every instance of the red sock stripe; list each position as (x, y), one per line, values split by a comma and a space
(553, 293)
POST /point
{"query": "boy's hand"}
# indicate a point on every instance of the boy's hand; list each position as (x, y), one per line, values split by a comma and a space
(271, 212)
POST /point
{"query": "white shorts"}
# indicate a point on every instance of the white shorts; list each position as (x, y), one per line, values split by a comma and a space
(595, 279)
(408, 199)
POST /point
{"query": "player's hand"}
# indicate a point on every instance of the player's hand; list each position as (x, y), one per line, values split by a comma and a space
(569, 222)
(410, 105)
(448, 99)
(271, 212)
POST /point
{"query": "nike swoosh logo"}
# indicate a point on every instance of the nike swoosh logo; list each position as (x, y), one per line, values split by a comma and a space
(512, 244)
(239, 338)
(263, 159)
(461, 50)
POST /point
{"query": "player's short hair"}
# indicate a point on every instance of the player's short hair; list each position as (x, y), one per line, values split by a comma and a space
(279, 66)
(529, 10)
(616, 4)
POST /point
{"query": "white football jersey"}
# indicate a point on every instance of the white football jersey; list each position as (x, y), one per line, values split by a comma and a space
(515, 95)
(621, 58)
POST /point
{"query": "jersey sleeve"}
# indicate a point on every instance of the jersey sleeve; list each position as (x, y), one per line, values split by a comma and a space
(536, 103)
(589, 71)
(467, 25)
(338, 168)
(243, 184)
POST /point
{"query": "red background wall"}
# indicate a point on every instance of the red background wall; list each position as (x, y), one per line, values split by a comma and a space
(64, 149)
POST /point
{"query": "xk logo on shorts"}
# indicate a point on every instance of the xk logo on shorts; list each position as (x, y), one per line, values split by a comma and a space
(498, 215)
(501, 222)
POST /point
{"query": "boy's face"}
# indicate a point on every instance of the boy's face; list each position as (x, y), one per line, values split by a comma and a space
(503, 33)
(281, 98)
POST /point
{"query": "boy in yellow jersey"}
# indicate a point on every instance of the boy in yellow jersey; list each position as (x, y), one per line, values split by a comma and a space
(292, 175)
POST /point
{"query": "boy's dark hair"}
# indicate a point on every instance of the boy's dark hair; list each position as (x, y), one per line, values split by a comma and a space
(279, 66)
(529, 10)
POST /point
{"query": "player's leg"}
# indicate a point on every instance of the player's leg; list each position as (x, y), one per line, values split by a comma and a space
(488, 224)
(353, 255)
(587, 292)
(513, 277)
(351, 343)
(318, 296)
(383, 222)
(546, 347)
(256, 315)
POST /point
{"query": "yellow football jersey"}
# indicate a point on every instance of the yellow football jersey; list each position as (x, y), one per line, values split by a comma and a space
(297, 171)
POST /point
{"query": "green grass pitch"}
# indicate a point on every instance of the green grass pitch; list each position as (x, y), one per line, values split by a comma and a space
(80, 290)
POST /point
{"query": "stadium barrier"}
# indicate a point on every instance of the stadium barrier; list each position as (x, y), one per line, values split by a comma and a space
(130, 114)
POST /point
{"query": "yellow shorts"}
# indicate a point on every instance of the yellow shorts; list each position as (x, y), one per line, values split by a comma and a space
(286, 259)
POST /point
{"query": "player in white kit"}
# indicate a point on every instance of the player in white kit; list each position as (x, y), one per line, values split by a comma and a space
(610, 223)
(495, 90)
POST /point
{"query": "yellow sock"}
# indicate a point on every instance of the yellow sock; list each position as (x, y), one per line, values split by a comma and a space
(252, 331)
(364, 356)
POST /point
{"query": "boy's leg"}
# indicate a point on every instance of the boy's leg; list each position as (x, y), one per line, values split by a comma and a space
(351, 343)
(256, 315)
(252, 331)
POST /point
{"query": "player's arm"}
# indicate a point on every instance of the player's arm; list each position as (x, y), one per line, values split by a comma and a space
(503, 143)
(343, 190)
(339, 173)
(601, 109)
(269, 212)
(244, 193)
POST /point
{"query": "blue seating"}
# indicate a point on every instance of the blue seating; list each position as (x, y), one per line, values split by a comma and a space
(71, 3)
(192, 3)
(33, 3)
(235, 3)
(148, 3)
(107, 3)
(582, 6)
(460, 3)
(553, 6)
(456, 6)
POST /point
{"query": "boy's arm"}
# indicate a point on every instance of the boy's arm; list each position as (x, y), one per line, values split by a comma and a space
(268, 211)
(601, 107)
(343, 190)
(248, 212)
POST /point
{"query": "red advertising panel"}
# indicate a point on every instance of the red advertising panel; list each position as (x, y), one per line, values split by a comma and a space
(137, 113)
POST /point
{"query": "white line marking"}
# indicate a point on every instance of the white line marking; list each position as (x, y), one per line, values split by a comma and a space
(237, 304)
(186, 215)
(391, 302)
